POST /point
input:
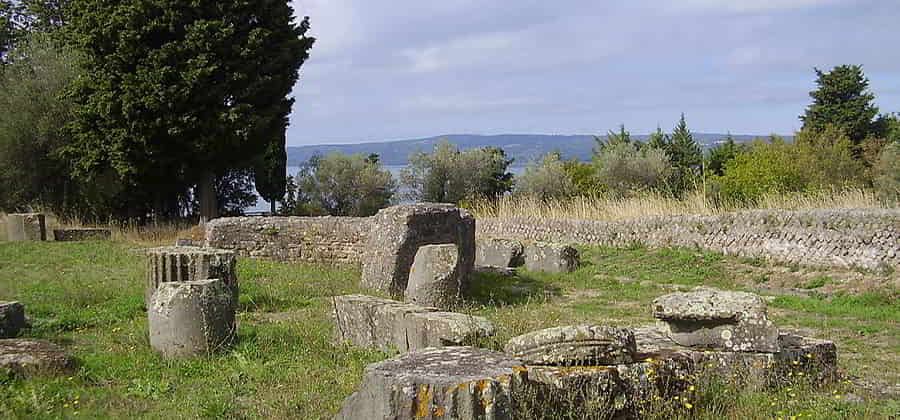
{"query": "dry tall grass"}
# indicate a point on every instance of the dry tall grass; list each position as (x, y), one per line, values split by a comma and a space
(152, 234)
(610, 208)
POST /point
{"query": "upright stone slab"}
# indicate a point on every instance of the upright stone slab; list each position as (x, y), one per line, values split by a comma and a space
(494, 252)
(397, 233)
(188, 263)
(192, 318)
(26, 227)
(81, 234)
(551, 258)
(26, 357)
(435, 278)
(717, 320)
(385, 324)
(12, 319)
(574, 345)
(464, 383)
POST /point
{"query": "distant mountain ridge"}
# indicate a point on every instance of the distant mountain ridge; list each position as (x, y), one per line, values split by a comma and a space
(524, 148)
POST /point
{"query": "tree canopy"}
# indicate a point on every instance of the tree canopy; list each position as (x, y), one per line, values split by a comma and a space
(842, 99)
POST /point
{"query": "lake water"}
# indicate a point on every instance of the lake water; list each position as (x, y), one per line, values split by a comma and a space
(263, 205)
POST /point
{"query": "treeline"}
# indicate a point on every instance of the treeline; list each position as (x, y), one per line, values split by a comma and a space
(844, 143)
(150, 110)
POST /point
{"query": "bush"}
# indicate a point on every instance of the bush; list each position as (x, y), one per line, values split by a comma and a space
(340, 185)
(887, 174)
(547, 179)
(624, 168)
(449, 175)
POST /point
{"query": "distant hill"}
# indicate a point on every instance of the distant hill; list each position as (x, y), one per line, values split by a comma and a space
(524, 148)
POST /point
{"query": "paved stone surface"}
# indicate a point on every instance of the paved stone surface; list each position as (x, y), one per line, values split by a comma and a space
(551, 258)
(574, 345)
(437, 383)
(81, 234)
(193, 318)
(493, 252)
(397, 233)
(435, 278)
(718, 320)
(26, 227)
(12, 319)
(368, 321)
(188, 263)
(26, 357)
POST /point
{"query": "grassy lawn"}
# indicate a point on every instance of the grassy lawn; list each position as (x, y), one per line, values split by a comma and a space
(89, 298)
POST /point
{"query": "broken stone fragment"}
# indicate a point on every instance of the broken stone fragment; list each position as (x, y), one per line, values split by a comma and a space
(437, 383)
(12, 319)
(25, 357)
(495, 252)
(576, 345)
(188, 263)
(386, 324)
(192, 318)
(435, 278)
(715, 319)
(551, 258)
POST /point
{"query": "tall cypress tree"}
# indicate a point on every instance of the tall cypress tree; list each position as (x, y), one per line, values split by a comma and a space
(685, 155)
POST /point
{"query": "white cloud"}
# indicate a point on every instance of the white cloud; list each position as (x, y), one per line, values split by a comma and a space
(460, 52)
(749, 6)
(334, 23)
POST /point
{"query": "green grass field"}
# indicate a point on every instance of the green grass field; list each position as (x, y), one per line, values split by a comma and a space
(89, 298)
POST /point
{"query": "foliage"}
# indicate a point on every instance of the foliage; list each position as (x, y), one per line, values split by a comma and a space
(448, 175)
(887, 173)
(721, 155)
(685, 155)
(624, 168)
(270, 171)
(344, 185)
(658, 139)
(176, 91)
(826, 158)
(613, 138)
(546, 179)
(842, 99)
(584, 177)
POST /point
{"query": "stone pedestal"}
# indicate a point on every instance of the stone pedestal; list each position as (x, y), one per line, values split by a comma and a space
(435, 278)
(551, 258)
(26, 227)
(193, 318)
(442, 383)
(12, 319)
(181, 264)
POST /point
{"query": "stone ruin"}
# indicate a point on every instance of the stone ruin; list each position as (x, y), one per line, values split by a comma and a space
(436, 277)
(192, 318)
(12, 319)
(189, 263)
(81, 234)
(26, 227)
(621, 369)
(497, 255)
(27, 357)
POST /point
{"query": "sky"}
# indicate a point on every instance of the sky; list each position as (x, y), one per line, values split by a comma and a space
(401, 69)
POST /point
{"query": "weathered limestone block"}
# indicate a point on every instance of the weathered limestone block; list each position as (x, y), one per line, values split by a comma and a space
(551, 258)
(437, 383)
(386, 324)
(577, 345)
(81, 234)
(180, 264)
(26, 227)
(435, 277)
(494, 252)
(397, 233)
(12, 319)
(817, 359)
(192, 318)
(25, 357)
(716, 319)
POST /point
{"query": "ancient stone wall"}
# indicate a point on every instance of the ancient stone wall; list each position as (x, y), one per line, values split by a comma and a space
(844, 238)
(331, 240)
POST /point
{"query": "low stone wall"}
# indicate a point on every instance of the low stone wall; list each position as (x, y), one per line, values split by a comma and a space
(331, 240)
(844, 238)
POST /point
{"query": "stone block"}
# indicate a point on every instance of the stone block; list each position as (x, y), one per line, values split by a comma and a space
(12, 319)
(386, 324)
(81, 234)
(26, 227)
(181, 264)
(435, 278)
(817, 359)
(551, 258)
(717, 320)
(437, 383)
(397, 233)
(26, 357)
(577, 345)
(193, 318)
(494, 252)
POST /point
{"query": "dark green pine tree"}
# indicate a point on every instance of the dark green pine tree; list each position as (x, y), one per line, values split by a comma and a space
(842, 99)
(612, 138)
(659, 140)
(720, 155)
(685, 155)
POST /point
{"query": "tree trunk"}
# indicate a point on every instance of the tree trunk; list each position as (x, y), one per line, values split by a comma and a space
(206, 190)
(272, 203)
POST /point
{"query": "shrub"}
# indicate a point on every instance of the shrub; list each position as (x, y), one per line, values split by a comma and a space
(624, 168)
(342, 185)
(449, 175)
(887, 174)
(827, 160)
(547, 179)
